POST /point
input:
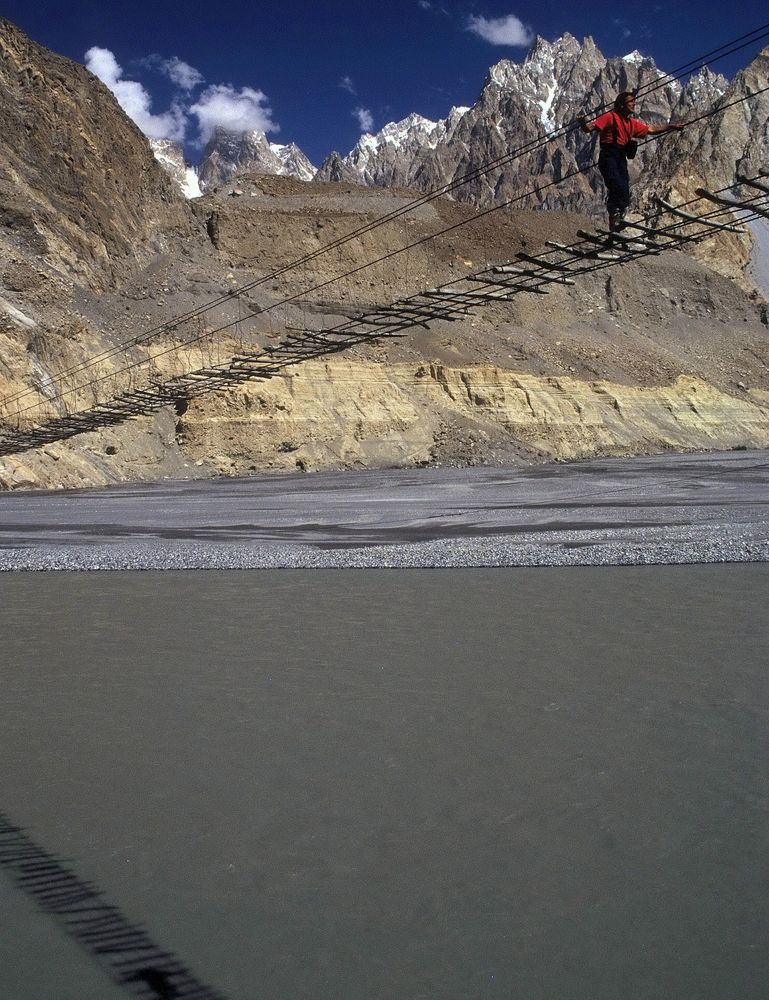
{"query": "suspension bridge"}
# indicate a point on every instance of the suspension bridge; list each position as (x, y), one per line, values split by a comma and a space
(558, 264)
(53, 409)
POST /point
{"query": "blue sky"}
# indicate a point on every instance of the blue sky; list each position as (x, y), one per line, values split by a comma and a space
(320, 72)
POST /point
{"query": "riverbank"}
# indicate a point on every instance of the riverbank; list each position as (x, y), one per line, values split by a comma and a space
(665, 509)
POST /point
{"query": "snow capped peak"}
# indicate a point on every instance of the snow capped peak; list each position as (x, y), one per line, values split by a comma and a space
(504, 72)
(414, 130)
(539, 47)
(229, 154)
(634, 58)
(544, 52)
(704, 87)
(293, 161)
(536, 78)
(170, 155)
(454, 117)
(367, 141)
(396, 132)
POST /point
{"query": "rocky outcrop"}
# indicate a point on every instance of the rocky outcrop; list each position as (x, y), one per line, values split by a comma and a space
(337, 170)
(394, 156)
(79, 185)
(711, 153)
(408, 415)
(170, 156)
(229, 154)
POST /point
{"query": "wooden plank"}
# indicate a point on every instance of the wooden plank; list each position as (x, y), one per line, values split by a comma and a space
(601, 241)
(554, 279)
(752, 182)
(628, 241)
(649, 231)
(739, 206)
(695, 218)
(473, 296)
(507, 269)
(526, 275)
(545, 264)
(718, 199)
(587, 255)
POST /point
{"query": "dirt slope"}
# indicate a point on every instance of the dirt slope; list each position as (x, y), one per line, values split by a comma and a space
(662, 353)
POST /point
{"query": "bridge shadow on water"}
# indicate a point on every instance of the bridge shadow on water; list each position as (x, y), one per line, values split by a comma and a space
(122, 948)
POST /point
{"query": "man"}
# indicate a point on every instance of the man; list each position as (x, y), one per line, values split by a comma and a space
(618, 128)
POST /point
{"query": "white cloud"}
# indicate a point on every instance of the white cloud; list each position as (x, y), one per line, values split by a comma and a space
(346, 84)
(509, 30)
(365, 119)
(181, 74)
(236, 110)
(185, 77)
(134, 99)
(219, 104)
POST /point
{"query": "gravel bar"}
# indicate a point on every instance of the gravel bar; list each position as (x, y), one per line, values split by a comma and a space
(659, 510)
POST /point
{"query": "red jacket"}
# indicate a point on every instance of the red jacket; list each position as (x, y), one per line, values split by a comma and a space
(615, 127)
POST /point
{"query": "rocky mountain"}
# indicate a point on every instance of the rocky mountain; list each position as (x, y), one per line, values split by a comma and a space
(521, 102)
(229, 154)
(170, 156)
(393, 157)
(518, 104)
(80, 191)
(711, 152)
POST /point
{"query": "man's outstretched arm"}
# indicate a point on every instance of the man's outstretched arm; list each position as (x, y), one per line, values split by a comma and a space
(585, 125)
(662, 129)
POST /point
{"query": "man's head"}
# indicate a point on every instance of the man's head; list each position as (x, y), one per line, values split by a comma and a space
(625, 102)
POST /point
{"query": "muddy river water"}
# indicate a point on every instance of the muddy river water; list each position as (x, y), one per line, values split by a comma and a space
(448, 784)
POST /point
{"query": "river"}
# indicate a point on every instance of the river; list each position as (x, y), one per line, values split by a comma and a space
(457, 784)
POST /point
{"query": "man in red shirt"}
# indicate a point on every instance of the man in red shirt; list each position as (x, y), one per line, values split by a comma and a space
(618, 128)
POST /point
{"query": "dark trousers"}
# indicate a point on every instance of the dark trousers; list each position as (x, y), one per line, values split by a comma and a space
(612, 163)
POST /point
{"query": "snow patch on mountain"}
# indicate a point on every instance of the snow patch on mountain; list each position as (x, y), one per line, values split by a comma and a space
(170, 156)
(294, 162)
(547, 105)
(634, 58)
(191, 185)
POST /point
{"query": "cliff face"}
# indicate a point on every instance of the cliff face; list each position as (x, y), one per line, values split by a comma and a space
(230, 154)
(711, 152)
(660, 354)
(170, 156)
(79, 186)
